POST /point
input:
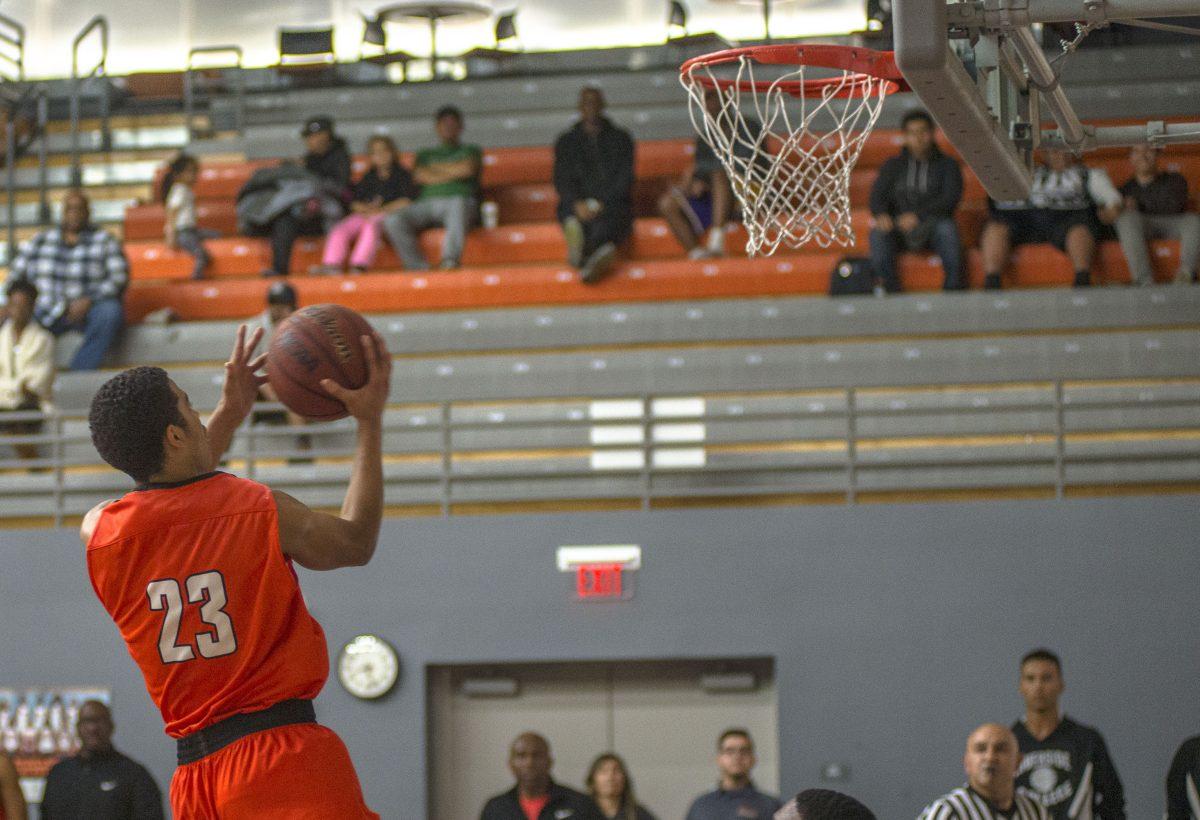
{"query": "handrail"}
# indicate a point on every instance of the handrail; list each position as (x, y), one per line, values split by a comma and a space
(845, 471)
(16, 38)
(97, 23)
(189, 90)
(14, 115)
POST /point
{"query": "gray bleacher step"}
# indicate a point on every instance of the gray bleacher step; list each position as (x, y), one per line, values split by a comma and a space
(698, 322)
(757, 367)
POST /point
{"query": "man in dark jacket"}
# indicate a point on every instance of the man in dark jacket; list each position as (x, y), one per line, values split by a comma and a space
(593, 174)
(328, 158)
(912, 206)
(536, 796)
(100, 783)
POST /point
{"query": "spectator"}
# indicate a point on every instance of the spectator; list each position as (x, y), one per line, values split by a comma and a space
(593, 174)
(328, 159)
(1183, 782)
(1064, 764)
(281, 303)
(990, 792)
(735, 797)
(912, 205)
(179, 228)
(12, 801)
(26, 365)
(449, 180)
(100, 783)
(536, 796)
(823, 804)
(1156, 207)
(386, 188)
(1066, 206)
(609, 784)
(703, 200)
(80, 272)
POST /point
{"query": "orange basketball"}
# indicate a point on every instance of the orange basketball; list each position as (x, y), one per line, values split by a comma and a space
(315, 343)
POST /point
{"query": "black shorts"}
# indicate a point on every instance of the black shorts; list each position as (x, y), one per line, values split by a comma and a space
(1031, 225)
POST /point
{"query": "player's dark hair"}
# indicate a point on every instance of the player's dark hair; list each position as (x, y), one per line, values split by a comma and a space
(1042, 654)
(826, 804)
(735, 732)
(22, 286)
(915, 115)
(449, 111)
(174, 168)
(128, 418)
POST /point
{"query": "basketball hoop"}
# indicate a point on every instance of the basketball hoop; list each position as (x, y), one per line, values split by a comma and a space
(789, 161)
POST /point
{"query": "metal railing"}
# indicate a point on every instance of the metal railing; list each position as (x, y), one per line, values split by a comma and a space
(190, 85)
(12, 50)
(79, 80)
(841, 444)
(25, 122)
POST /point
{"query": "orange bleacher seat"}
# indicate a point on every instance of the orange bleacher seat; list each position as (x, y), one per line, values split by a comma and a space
(496, 287)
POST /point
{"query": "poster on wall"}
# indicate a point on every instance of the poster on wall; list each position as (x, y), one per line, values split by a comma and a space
(37, 729)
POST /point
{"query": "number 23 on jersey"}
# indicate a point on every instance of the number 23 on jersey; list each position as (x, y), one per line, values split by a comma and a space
(206, 589)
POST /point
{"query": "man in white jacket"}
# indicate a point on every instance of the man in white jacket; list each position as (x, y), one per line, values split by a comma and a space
(26, 366)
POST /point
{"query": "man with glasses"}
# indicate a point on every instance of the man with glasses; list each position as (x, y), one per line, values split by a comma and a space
(735, 797)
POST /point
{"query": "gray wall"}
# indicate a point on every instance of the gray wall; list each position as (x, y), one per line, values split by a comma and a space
(895, 628)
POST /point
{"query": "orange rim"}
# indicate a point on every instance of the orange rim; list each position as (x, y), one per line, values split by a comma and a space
(863, 65)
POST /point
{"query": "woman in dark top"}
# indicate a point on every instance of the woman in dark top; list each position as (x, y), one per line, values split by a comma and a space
(609, 784)
(386, 187)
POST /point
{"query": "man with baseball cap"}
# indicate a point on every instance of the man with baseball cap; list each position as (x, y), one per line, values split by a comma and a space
(326, 156)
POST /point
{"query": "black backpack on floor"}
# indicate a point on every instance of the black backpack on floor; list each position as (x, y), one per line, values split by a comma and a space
(852, 276)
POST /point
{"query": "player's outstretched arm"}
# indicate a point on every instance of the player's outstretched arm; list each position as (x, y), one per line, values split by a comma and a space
(242, 381)
(318, 540)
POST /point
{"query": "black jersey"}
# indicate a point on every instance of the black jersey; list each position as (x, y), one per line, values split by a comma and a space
(1070, 773)
(1183, 782)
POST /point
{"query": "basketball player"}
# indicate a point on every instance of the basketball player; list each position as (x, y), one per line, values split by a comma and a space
(195, 568)
(990, 793)
(1064, 765)
(1183, 782)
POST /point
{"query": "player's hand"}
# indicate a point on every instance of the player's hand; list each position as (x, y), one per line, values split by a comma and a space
(367, 403)
(242, 379)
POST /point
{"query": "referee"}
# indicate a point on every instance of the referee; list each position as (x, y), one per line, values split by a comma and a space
(1183, 782)
(990, 792)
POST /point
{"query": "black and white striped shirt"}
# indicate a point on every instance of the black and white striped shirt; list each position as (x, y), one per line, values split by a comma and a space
(94, 267)
(965, 803)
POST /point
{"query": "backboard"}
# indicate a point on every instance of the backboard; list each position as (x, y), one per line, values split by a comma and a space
(979, 69)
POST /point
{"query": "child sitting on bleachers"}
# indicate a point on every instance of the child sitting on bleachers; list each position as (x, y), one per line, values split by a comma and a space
(179, 228)
(386, 187)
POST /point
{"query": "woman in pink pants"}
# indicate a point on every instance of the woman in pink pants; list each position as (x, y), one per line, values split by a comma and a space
(387, 187)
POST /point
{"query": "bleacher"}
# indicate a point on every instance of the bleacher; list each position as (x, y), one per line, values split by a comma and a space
(671, 381)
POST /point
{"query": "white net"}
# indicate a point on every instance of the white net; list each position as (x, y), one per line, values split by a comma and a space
(787, 154)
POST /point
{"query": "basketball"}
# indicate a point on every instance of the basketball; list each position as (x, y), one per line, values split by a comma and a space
(315, 343)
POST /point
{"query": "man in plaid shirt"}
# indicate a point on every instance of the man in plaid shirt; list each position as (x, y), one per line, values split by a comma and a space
(80, 272)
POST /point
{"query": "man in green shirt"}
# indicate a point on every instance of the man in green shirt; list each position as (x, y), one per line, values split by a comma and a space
(449, 179)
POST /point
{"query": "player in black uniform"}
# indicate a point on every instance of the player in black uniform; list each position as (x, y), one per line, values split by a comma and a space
(1064, 765)
(1183, 782)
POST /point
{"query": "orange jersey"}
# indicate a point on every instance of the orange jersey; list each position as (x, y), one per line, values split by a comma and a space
(208, 604)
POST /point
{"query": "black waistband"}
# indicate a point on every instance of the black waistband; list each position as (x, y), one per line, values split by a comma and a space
(213, 738)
